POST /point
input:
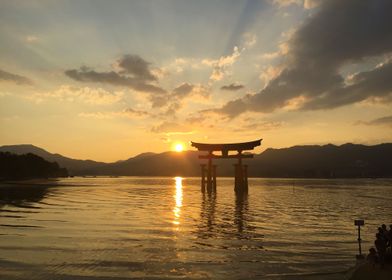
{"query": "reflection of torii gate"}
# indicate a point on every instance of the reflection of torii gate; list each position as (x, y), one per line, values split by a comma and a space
(208, 171)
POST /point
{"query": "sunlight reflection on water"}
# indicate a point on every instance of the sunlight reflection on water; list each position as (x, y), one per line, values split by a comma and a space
(178, 200)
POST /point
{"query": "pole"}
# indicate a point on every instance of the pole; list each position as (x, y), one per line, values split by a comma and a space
(359, 240)
(359, 223)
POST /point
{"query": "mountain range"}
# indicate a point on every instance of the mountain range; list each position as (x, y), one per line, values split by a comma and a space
(311, 161)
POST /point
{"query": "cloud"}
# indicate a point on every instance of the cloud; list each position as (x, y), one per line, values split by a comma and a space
(382, 121)
(137, 67)
(196, 119)
(183, 90)
(9, 77)
(232, 87)
(263, 126)
(171, 128)
(318, 50)
(385, 121)
(219, 66)
(270, 72)
(178, 66)
(310, 4)
(126, 113)
(186, 90)
(249, 40)
(132, 72)
(285, 3)
(376, 83)
(94, 96)
(172, 109)
(10, 118)
(31, 39)
(175, 99)
(4, 94)
(159, 100)
(283, 49)
(307, 4)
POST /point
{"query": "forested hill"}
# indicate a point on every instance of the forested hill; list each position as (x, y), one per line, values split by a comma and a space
(74, 166)
(311, 161)
(28, 166)
(327, 161)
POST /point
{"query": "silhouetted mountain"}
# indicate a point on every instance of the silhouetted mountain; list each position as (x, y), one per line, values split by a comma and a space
(74, 166)
(27, 166)
(150, 164)
(328, 161)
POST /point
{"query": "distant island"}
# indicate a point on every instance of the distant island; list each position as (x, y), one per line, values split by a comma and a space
(28, 166)
(310, 161)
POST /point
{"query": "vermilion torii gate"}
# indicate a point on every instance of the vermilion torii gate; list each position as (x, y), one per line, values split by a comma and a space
(208, 171)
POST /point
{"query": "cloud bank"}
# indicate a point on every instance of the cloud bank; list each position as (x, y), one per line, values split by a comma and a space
(385, 121)
(126, 113)
(92, 96)
(133, 72)
(232, 87)
(19, 80)
(338, 34)
(220, 66)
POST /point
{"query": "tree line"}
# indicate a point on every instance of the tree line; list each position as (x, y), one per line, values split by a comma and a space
(28, 166)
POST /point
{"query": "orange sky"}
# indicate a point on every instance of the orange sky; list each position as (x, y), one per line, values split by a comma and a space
(107, 81)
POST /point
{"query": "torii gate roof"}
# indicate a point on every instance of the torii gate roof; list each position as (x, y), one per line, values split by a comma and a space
(227, 146)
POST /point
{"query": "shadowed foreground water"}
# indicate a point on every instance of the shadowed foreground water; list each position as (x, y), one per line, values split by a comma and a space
(122, 228)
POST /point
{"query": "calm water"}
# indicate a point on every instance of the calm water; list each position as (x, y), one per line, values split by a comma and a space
(122, 228)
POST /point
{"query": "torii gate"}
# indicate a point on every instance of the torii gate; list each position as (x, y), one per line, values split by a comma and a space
(208, 171)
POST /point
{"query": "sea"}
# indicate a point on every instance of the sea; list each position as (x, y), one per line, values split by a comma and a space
(166, 228)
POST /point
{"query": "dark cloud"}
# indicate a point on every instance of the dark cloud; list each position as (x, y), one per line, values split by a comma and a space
(183, 90)
(383, 121)
(232, 87)
(174, 101)
(20, 80)
(139, 113)
(172, 109)
(386, 121)
(196, 119)
(136, 66)
(159, 100)
(339, 33)
(374, 83)
(262, 126)
(134, 73)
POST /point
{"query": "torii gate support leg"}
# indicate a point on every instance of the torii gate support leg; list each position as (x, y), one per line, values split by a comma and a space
(209, 176)
(203, 177)
(214, 178)
(239, 178)
(245, 178)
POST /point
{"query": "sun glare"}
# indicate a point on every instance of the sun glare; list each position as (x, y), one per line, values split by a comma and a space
(179, 147)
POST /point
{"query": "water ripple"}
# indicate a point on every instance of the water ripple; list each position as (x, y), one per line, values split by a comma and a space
(141, 228)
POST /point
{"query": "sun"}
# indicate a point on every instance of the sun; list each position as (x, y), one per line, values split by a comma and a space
(178, 147)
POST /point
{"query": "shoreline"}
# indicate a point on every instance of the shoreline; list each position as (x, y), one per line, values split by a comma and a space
(39, 182)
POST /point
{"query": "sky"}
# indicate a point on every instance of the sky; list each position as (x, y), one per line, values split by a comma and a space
(107, 80)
